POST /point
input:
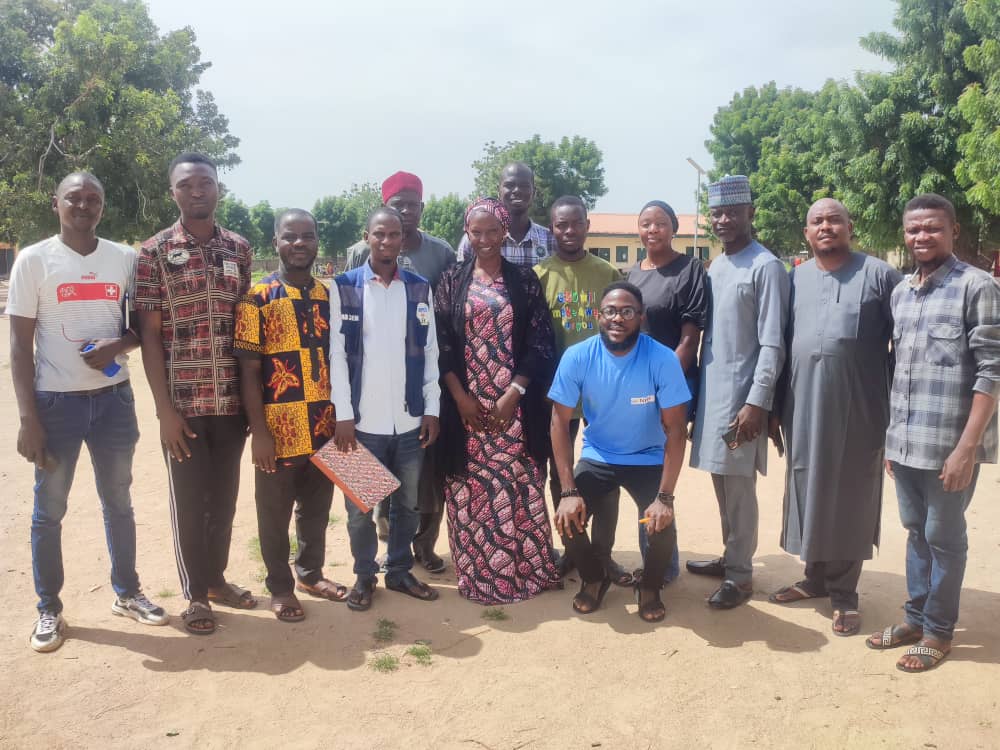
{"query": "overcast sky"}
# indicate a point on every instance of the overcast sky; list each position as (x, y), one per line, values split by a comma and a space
(326, 94)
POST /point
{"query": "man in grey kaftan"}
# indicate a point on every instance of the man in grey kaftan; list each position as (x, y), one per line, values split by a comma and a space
(833, 407)
(742, 356)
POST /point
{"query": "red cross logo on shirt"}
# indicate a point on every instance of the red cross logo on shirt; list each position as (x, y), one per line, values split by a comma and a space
(111, 291)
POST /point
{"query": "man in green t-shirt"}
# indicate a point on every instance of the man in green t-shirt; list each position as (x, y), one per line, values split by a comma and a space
(573, 280)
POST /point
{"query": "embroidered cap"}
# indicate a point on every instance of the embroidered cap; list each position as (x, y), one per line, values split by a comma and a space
(731, 190)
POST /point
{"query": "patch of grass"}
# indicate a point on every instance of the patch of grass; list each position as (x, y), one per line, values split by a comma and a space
(421, 653)
(256, 276)
(496, 614)
(384, 662)
(334, 520)
(165, 594)
(385, 630)
(253, 547)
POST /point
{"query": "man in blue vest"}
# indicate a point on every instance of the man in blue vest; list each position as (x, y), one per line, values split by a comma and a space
(384, 384)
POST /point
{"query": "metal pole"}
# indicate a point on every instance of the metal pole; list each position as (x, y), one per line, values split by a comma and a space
(697, 203)
(697, 211)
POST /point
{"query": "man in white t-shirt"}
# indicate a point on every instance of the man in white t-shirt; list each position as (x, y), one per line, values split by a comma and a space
(68, 304)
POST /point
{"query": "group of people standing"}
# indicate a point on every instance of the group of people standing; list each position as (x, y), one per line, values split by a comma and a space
(470, 375)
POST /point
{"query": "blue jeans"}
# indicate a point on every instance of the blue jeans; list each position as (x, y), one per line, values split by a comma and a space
(403, 456)
(936, 547)
(107, 424)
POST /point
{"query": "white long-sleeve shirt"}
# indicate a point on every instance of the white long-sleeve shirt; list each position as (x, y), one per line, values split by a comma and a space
(382, 404)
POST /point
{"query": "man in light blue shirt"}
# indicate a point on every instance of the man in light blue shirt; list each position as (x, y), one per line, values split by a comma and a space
(634, 400)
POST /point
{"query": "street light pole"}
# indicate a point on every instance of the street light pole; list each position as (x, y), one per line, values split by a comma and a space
(697, 202)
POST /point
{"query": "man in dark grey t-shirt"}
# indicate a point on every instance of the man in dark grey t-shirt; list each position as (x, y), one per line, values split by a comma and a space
(422, 253)
(428, 256)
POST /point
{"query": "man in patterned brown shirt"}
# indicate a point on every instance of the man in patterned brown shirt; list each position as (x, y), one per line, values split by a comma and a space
(188, 280)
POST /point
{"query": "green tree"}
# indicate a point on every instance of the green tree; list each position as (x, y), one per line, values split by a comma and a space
(741, 128)
(444, 217)
(889, 136)
(92, 84)
(234, 215)
(906, 123)
(979, 167)
(341, 218)
(262, 219)
(778, 138)
(573, 166)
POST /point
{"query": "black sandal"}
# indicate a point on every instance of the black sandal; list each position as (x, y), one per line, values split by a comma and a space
(360, 597)
(619, 575)
(195, 613)
(653, 610)
(584, 603)
(410, 586)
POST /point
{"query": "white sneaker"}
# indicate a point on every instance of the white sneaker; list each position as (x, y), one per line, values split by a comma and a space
(140, 609)
(49, 632)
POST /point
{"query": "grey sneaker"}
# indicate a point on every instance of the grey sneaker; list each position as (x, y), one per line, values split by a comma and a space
(49, 632)
(139, 608)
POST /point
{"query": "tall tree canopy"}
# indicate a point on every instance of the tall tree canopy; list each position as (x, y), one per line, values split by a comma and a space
(92, 84)
(341, 218)
(907, 120)
(775, 137)
(573, 166)
(979, 168)
(444, 217)
(885, 138)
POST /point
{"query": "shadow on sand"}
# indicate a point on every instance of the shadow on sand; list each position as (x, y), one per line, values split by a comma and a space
(334, 638)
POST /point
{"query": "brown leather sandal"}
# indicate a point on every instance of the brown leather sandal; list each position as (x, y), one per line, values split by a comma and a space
(286, 607)
(324, 589)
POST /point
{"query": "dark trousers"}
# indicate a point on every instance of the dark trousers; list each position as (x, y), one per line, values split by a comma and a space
(836, 578)
(430, 503)
(307, 489)
(605, 524)
(203, 492)
(599, 485)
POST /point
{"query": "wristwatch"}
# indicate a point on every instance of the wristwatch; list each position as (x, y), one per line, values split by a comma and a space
(667, 498)
(574, 492)
(518, 387)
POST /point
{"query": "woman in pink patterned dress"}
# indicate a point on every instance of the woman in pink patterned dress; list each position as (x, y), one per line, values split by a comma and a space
(497, 358)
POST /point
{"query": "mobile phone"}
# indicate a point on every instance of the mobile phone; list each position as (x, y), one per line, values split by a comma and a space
(730, 439)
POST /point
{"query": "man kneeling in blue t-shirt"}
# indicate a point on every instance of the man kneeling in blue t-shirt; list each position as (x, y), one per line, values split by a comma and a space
(634, 405)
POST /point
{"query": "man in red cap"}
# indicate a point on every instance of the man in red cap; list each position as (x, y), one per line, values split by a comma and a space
(427, 256)
(421, 253)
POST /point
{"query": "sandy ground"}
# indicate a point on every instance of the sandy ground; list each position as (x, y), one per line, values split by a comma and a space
(759, 676)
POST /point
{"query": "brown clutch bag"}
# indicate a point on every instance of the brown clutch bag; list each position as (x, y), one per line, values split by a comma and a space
(362, 477)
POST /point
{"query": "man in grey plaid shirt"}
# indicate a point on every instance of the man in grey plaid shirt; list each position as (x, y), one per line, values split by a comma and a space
(526, 243)
(942, 422)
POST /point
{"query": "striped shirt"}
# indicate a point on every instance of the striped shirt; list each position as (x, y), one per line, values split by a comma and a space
(947, 342)
(537, 245)
(195, 288)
